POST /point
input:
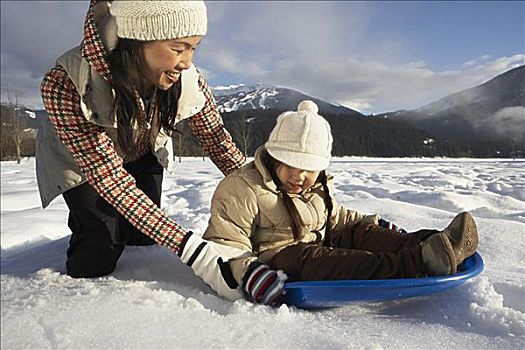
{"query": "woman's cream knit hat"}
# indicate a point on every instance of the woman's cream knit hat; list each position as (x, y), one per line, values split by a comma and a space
(159, 20)
(302, 139)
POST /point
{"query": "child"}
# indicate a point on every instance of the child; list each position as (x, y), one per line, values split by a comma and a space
(276, 209)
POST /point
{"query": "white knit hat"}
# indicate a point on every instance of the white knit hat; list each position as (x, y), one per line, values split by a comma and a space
(159, 20)
(302, 139)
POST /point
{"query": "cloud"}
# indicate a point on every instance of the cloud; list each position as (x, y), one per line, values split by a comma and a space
(399, 86)
(508, 122)
(367, 85)
(324, 50)
(477, 61)
(357, 104)
(19, 81)
(336, 51)
(34, 34)
(255, 38)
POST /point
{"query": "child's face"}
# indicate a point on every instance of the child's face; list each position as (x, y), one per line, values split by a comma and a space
(295, 180)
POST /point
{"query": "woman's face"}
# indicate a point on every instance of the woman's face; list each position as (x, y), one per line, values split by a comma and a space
(165, 60)
(295, 180)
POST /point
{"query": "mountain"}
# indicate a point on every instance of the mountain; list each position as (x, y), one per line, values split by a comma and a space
(493, 111)
(250, 112)
(259, 96)
(485, 121)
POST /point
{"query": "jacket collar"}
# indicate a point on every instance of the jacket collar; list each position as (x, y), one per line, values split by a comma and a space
(263, 170)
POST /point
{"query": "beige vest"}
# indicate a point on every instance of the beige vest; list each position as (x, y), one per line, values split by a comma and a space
(55, 167)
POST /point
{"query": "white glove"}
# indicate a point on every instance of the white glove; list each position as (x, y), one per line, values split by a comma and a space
(209, 261)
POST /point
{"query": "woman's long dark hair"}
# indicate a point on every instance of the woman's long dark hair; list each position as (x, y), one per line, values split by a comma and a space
(297, 223)
(126, 63)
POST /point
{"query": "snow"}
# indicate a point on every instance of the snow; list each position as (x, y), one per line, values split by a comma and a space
(154, 301)
(229, 87)
(245, 97)
(31, 114)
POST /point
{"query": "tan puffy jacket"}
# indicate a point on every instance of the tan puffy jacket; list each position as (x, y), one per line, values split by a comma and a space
(248, 212)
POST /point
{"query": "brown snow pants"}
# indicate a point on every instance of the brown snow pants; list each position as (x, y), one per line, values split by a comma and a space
(359, 251)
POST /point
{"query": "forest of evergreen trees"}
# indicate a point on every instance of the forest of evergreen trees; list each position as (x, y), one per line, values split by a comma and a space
(353, 136)
(357, 136)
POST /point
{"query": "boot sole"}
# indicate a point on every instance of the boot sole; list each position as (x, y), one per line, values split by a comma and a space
(463, 236)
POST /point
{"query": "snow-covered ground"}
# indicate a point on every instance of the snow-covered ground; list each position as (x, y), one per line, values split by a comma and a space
(154, 301)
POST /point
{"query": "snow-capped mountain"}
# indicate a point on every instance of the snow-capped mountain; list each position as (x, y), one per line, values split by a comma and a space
(260, 96)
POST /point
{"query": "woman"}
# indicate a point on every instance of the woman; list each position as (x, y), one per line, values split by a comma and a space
(279, 209)
(113, 103)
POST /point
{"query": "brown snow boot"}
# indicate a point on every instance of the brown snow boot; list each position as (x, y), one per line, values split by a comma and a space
(438, 255)
(463, 235)
(444, 251)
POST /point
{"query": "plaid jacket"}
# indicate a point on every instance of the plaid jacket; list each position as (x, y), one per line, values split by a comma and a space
(94, 153)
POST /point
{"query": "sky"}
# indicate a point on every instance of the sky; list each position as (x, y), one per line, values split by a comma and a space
(153, 301)
(370, 56)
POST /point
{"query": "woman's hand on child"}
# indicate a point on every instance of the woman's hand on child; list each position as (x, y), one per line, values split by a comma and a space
(209, 261)
(391, 226)
(263, 285)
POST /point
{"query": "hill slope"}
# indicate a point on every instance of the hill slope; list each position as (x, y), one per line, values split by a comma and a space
(493, 111)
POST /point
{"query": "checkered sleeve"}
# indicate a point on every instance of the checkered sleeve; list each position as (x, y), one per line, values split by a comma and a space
(96, 157)
(216, 141)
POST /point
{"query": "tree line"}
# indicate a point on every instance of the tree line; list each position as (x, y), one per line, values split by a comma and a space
(366, 136)
(370, 136)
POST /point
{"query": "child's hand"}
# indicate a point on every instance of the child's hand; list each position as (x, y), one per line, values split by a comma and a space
(262, 285)
(391, 226)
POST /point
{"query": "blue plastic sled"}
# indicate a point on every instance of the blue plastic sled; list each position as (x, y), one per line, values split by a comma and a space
(319, 294)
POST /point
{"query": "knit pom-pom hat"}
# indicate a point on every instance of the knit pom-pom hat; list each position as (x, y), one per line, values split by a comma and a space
(159, 20)
(302, 139)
